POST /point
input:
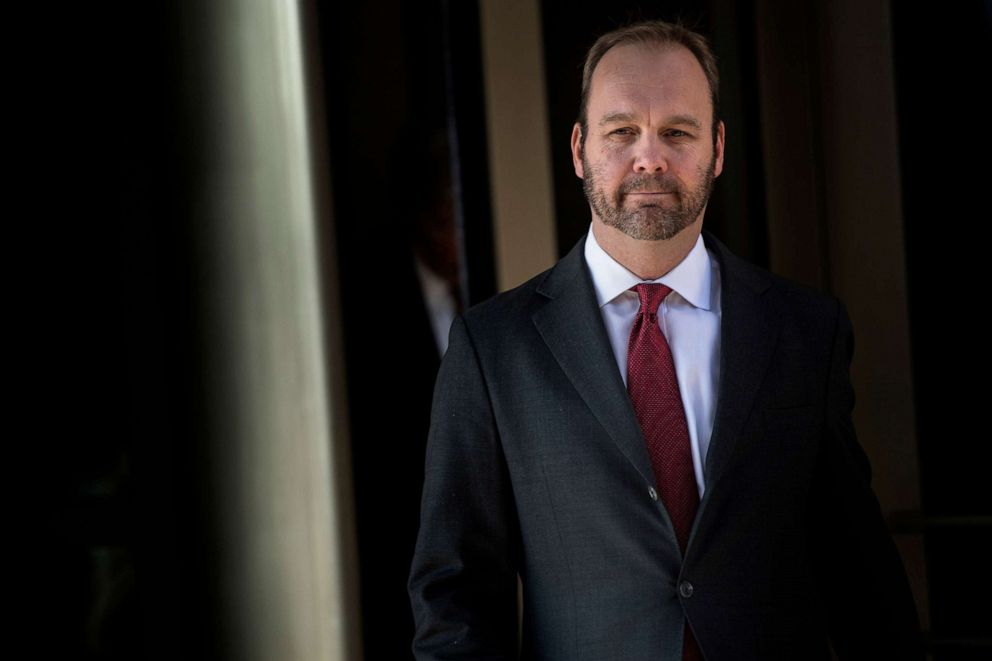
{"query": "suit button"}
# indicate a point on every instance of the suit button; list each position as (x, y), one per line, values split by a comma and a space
(685, 589)
(652, 493)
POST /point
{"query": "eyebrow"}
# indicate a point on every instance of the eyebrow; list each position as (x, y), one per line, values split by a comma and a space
(613, 117)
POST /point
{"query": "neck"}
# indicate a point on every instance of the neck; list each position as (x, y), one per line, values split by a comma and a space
(648, 260)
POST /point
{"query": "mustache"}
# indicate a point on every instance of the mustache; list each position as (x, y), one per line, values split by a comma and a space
(656, 183)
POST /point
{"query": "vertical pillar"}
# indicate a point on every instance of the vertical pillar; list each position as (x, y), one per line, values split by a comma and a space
(277, 451)
(519, 145)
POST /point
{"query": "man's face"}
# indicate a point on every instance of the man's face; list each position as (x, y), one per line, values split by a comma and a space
(649, 159)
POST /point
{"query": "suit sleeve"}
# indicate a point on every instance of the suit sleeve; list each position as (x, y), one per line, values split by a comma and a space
(463, 580)
(870, 609)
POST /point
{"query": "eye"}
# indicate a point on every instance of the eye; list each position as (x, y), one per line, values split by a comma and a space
(677, 133)
(622, 131)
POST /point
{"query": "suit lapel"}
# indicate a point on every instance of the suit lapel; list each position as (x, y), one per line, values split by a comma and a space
(749, 329)
(572, 326)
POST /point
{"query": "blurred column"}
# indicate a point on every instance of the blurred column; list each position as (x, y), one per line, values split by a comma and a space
(275, 429)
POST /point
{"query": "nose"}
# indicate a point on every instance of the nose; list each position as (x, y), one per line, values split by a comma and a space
(650, 155)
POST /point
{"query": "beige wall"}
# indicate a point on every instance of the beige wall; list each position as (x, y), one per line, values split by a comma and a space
(519, 148)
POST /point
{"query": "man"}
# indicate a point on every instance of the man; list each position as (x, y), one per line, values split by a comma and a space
(655, 435)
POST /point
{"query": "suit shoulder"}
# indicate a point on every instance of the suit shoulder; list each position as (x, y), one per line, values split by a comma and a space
(503, 311)
(806, 297)
(794, 297)
(797, 297)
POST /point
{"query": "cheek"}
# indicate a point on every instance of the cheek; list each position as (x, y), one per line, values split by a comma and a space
(694, 158)
(610, 165)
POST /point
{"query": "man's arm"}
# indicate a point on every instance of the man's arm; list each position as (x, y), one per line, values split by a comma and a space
(870, 608)
(463, 581)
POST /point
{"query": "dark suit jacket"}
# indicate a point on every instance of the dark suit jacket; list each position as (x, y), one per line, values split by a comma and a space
(536, 464)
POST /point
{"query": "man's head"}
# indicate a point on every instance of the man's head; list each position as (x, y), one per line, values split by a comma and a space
(648, 143)
(652, 33)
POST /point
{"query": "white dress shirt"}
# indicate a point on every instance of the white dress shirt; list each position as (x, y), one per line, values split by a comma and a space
(440, 303)
(690, 320)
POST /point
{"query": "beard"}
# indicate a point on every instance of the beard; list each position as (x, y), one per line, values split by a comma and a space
(652, 221)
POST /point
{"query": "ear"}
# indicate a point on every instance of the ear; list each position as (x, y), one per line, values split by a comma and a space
(577, 150)
(719, 147)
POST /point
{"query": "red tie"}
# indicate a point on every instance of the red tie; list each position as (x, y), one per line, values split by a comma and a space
(654, 392)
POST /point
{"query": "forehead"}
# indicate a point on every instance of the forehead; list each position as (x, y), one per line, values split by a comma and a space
(635, 77)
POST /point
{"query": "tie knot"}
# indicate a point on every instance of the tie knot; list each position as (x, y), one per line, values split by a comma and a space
(651, 295)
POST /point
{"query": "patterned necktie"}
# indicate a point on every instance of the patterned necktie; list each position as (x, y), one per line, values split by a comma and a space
(654, 392)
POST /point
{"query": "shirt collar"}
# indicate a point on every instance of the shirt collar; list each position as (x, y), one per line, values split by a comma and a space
(691, 277)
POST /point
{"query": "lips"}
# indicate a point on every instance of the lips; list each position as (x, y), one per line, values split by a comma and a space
(650, 183)
(649, 195)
